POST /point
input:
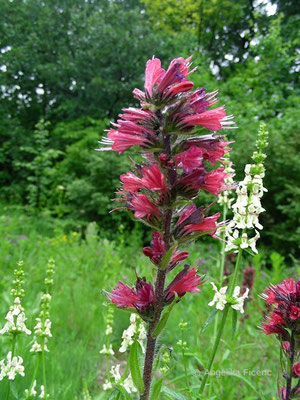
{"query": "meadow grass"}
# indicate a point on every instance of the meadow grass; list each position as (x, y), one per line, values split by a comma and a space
(85, 266)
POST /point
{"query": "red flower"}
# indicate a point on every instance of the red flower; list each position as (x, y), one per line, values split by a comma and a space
(208, 225)
(185, 281)
(213, 147)
(153, 75)
(176, 73)
(270, 328)
(214, 181)
(296, 369)
(210, 119)
(190, 159)
(283, 393)
(295, 313)
(153, 179)
(124, 141)
(186, 213)
(180, 88)
(131, 182)
(124, 296)
(276, 319)
(135, 114)
(156, 251)
(143, 207)
(139, 298)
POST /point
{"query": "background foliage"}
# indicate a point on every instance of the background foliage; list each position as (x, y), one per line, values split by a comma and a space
(68, 67)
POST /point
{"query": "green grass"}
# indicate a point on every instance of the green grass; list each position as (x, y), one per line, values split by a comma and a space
(86, 266)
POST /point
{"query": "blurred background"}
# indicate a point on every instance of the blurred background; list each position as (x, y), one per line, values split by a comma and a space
(68, 67)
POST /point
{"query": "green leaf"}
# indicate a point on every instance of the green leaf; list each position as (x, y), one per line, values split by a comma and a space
(234, 322)
(248, 383)
(166, 258)
(156, 389)
(173, 395)
(123, 392)
(113, 395)
(134, 366)
(164, 319)
(209, 320)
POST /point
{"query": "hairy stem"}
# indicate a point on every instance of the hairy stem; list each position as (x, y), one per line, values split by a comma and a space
(159, 283)
(289, 373)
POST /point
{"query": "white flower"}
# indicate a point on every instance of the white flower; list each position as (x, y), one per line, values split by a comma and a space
(115, 372)
(15, 320)
(12, 368)
(107, 385)
(108, 330)
(142, 336)
(43, 328)
(219, 298)
(42, 394)
(128, 385)
(37, 348)
(33, 392)
(107, 350)
(240, 300)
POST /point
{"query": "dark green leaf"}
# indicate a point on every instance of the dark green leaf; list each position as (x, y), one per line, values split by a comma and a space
(234, 322)
(157, 389)
(164, 319)
(134, 366)
(173, 395)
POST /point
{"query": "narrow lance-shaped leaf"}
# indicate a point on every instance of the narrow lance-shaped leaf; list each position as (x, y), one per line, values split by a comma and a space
(156, 389)
(135, 368)
(234, 322)
(164, 319)
(209, 320)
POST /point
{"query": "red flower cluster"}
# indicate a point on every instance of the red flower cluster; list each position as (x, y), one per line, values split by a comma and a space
(286, 315)
(284, 321)
(179, 161)
(142, 297)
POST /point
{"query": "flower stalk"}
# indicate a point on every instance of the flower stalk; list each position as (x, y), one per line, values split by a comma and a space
(178, 162)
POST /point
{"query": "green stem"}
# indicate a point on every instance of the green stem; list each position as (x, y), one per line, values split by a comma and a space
(44, 369)
(236, 271)
(184, 363)
(214, 351)
(13, 346)
(222, 261)
(223, 321)
(221, 269)
(34, 374)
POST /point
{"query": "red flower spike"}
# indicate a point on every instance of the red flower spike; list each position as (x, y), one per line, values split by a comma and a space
(185, 281)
